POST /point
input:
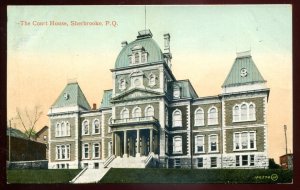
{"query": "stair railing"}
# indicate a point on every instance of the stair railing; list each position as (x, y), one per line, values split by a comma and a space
(108, 161)
(78, 175)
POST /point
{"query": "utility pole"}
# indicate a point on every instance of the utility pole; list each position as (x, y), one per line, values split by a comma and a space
(285, 128)
(9, 147)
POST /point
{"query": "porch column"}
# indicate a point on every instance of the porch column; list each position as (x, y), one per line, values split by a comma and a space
(151, 140)
(125, 144)
(113, 144)
(138, 143)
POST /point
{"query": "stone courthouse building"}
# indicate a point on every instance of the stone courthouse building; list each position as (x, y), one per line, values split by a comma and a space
(149, 113)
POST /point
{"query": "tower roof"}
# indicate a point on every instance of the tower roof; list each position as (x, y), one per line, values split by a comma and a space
(72, 95)
(145, 41)
(105, 103)
(243, 71)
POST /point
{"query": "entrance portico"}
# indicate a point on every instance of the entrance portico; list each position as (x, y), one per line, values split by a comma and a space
(136, 139)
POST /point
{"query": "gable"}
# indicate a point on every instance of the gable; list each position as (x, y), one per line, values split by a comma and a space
(136, 93)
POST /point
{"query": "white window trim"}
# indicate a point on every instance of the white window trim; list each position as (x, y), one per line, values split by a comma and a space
(99, 152)
(58, 129)
(133, 112)
(82, 127)
(120, 86)
(195, 123)
(122, 115)
(146, 109)
(177, 88)
(166, 117)
(239, 117)
(241, 160)
(198, 162)
(83, 151)
(94, 127)
(67, 152)
(208, 116)
(173, 120)
(154, 82)
(203, 142)
(217, 143)
(240, 141)
(211, 162)
(179, 152)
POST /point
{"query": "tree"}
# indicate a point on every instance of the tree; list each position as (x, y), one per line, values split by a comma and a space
(28, 119)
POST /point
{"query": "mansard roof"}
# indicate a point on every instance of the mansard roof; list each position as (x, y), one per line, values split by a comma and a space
(72, 95)
(144, 40)
(243, 61)
(105, 103)
(187, 90)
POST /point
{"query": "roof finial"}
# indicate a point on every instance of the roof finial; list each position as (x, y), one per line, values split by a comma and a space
(145, 16)
(72, 80)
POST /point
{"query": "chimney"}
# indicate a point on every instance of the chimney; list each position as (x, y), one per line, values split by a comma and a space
(124, 43)
(94, 106)
(167, 43)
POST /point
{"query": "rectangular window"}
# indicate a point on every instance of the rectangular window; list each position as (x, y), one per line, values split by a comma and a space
(199, 144)
(177, 163)
(237, 160)
(136, 58)
(213, 139)
(177, 145)
(63, 152)
(96, 150)
(85, 151)
(200, 162)
(143, 58)
(213, 162)
(244, 141)
(167, 144)
(244, 160)
(251, 160)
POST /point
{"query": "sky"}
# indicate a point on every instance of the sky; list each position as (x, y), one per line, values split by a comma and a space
(204, 42)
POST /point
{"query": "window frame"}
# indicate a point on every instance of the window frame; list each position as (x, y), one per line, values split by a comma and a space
(175, 122)
(134, 113)
(244, 115)
(213, 160)
(239, 134)
(122, 114)
(175, 146)
(84, 126)
(217, 142)
(94, 127)
(147, 112)
(59, 152)
(196, 144)
(94, 150)
(152, 83)
(200, 162)
(84, 152)
(210, 119)
(201, 121)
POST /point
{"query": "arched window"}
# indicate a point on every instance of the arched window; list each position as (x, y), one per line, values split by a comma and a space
(151, 80)
(96, 126)
(212, 116)
(177, 144)
(136, 58)
(149, 111)
(124, 114)
(63, 129)
(136, 112)
(68, 129)
(122, 84)
(57, 130)
(199, 117)
(177, 118)
(236, 113)
(244, 112)
(85, 127)
(252, 113)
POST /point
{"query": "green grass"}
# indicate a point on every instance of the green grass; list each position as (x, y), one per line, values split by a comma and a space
(231, 176)
(41, 175)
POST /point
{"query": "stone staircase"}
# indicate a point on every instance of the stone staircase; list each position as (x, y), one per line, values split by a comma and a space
(88, 175)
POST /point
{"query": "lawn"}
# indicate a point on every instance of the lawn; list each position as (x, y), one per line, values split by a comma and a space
(41, 175)
(231, 176)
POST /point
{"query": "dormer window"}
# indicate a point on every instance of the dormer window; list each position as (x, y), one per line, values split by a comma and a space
(122, 84)
(151, 79)
(176, 92)
(139, 55)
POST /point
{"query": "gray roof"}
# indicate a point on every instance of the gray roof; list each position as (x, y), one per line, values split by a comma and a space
(75, 97)
(144, 39)
(187, 90)
(15, 133)
(234, 77)
(105, 103)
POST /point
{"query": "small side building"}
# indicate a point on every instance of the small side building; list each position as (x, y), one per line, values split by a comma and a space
(286, 161)
(42, 137)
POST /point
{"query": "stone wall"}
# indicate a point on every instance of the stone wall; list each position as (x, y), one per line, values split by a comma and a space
(36, 164)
